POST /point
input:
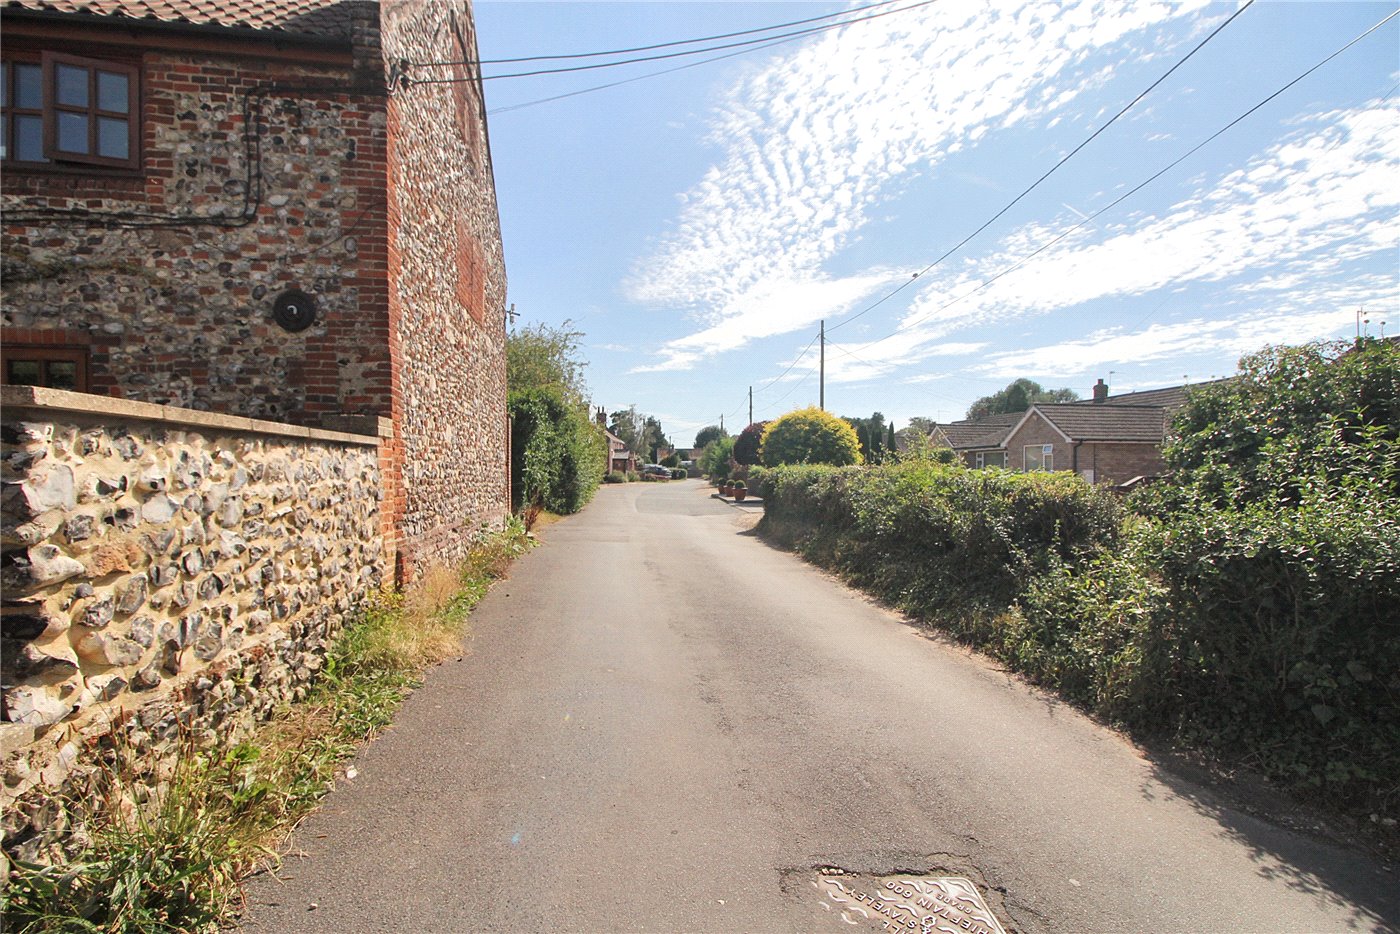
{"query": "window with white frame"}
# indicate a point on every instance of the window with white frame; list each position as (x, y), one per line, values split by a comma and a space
(1040, 457)
(991, 459)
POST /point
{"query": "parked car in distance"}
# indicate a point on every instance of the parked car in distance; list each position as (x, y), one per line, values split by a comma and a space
(656, 470)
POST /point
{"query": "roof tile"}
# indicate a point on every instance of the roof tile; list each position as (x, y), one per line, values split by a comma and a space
(330, 19)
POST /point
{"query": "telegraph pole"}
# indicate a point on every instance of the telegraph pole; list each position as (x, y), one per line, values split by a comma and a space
(750, 405)
(721, 424)
(821, 393)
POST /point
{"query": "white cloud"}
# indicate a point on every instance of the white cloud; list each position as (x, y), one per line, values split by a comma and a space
(774, 306)
(1320, 315)
(813, 142)
(1295, 215)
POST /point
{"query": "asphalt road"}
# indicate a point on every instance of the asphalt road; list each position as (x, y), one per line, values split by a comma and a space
(663, 724)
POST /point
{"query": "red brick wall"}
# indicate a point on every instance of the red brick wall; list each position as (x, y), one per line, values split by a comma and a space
(1037, 431)
(181, 314)
(1119, 462)
(1111, 462)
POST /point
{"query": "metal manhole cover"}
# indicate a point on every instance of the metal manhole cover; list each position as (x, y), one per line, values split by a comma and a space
(915, 904)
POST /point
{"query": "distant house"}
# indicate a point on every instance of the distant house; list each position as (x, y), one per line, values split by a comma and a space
(1105, 439)
(620, 460)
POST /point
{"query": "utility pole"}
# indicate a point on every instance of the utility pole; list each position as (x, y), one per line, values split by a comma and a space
(821, 380)
(750, 405)
(721, 424)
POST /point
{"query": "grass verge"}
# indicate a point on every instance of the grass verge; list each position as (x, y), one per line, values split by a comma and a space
(172, 837)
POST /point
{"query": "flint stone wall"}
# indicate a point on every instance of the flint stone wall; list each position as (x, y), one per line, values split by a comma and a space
(166, 570)
(182, 314)
(447, 294)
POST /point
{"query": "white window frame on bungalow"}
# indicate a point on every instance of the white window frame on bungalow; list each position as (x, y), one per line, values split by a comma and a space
(85, 111)
(991, 459)
(1044, 457)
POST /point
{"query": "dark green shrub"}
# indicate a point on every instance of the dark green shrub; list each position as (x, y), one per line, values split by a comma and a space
(671, 460)
(1294, 417)
(633, 476)
(944, 542)
(615, 476)
(680, 473)
(1289, 635)
(738, 485)
(746, 446)
(558, 455)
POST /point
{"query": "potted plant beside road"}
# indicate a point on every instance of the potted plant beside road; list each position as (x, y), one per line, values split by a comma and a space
(740, 489)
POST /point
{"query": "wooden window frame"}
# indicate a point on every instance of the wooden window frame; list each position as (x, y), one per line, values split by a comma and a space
(46, 354)
(52, 108)
(10, 112)
(56, 160)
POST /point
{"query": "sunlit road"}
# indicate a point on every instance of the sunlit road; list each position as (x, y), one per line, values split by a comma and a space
(663, 724)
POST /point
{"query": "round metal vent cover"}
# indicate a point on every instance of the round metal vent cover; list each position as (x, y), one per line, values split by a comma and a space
(294, 310)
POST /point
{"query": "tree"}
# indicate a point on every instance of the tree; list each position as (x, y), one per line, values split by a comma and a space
(1018, 396)
(810, 436)
(746, 447)
(641, 433)
(558, 455)
(715, 458)
(627, 425)
(708, 434)
(871, 434)
(541, 356)
(652, 438)
(1295, 421)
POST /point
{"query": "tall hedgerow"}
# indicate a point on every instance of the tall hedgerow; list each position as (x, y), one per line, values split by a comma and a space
(558, 455)
(949, 544)
(1252, 608)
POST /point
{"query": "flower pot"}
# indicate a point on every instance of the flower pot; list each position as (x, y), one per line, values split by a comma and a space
(739, 495)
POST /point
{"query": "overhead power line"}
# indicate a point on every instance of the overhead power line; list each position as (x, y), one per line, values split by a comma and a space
(665, 45)
(1139, 187)
(409, 66)
(651, 74)
(1052, 170)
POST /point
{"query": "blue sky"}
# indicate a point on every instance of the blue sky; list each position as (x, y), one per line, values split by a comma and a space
(697, 225)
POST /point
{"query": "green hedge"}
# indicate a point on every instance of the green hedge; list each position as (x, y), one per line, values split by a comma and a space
(1267, 633)
(949, 544)
(557, 455)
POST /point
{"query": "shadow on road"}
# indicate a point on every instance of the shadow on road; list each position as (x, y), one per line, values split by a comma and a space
(1286, 841)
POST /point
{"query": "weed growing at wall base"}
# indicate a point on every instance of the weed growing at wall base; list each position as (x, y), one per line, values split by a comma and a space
(170, 839)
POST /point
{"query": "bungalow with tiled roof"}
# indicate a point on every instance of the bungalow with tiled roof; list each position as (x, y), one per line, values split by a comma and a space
(1106, 439)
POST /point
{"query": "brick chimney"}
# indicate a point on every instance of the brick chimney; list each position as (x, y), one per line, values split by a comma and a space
(602, 417)
(1101, 391)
